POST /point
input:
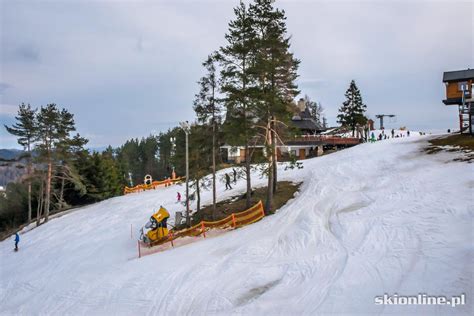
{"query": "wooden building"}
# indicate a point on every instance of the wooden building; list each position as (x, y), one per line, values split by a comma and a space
(460, 91)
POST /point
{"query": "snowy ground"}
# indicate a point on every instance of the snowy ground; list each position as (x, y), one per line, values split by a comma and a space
(374, 219)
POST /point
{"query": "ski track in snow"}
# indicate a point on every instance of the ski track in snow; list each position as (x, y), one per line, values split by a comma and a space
(374, 219)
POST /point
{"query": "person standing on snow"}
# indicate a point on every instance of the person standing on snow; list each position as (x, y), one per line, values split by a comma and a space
(227, 182)
(408, 133)
(178, 197)
(393, 133)
(372, 137)
(17, 240)
(235, 175)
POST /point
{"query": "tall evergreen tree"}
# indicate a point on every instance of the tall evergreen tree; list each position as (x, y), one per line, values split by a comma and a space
(26, 131)
(276, 71)
(237, 59)
(48, 132)
(54, 128)
(208, 112)
(351, 113)
(65, 152)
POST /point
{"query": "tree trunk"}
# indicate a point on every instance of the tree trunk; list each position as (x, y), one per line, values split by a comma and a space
(29, 202)
(275, 160)
(198, 196)
(48, 191)
(29, 184)
(247, 176)
(61, 193)
(268, 203)
(213, 170)
(39, 209)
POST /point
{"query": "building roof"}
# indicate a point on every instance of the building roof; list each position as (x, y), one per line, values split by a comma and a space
(458, 75)
(307, 125)
(305, 121)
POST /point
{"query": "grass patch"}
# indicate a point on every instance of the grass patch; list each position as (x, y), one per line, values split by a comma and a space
(286, 191)
(457, 143)
(463, 141)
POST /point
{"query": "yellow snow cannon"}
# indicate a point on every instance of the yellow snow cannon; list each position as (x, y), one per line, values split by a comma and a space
(156, 229)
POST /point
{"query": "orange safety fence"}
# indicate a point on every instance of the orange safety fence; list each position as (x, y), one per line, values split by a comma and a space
(152, 186)
(234, 220)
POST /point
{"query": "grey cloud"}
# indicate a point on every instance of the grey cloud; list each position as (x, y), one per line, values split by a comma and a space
(4, 86)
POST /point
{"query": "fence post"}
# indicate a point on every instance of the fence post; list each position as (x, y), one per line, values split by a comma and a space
(233, 220)
(171, 235)
(203, 229)
(139, 253)
(131, 231)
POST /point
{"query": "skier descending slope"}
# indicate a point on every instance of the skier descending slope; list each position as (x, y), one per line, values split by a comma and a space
(17, 240)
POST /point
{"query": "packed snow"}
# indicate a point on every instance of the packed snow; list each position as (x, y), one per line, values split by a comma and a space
(373, 219)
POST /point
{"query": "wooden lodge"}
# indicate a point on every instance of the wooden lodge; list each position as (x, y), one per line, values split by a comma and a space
(309, 144)
(460, 91)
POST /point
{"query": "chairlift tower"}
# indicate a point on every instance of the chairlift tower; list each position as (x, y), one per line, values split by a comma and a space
(381, 116)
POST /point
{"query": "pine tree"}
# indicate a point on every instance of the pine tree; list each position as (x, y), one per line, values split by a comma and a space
(208, 112)
(276, 71)
(55, 141)
(352, 110)
(66, 148)
(48, 132)
(237, 59)
(26, 131)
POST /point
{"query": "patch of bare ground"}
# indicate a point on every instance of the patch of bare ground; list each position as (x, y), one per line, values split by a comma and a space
(460, 143)
(285, 191)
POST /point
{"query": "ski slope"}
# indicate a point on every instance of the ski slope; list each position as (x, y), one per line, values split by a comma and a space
(373, 219)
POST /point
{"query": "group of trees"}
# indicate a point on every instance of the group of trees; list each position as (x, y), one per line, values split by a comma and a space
(60, 172)
(48, 131)
(252, 80)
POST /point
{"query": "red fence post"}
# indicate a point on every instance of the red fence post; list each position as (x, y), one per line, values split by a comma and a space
(203, 229)
(233, 220)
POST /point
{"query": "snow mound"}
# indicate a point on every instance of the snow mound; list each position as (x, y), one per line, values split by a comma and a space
(373, 219)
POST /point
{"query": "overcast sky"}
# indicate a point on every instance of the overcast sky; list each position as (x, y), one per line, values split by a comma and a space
(127, 69)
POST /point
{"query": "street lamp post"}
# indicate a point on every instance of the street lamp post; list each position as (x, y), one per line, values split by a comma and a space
(186, 128)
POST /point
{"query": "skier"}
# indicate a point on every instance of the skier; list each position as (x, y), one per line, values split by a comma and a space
(372, 137)
(393, 133)
(178, 197)
(235, 175)
(408, 133)
(227, 182)
(17, 240)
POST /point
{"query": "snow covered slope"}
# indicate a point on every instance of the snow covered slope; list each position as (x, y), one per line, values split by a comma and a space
(374, 219)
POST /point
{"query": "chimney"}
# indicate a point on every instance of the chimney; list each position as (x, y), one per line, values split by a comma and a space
(301, 105)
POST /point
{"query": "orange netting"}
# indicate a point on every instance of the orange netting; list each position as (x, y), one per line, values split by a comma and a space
(152, 186)
(234, 220)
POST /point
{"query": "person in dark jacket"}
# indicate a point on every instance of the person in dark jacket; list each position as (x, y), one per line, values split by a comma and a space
(227, 182)
(235, 175)
(17, 240)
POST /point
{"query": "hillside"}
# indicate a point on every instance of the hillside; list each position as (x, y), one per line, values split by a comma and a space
(373, 219)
